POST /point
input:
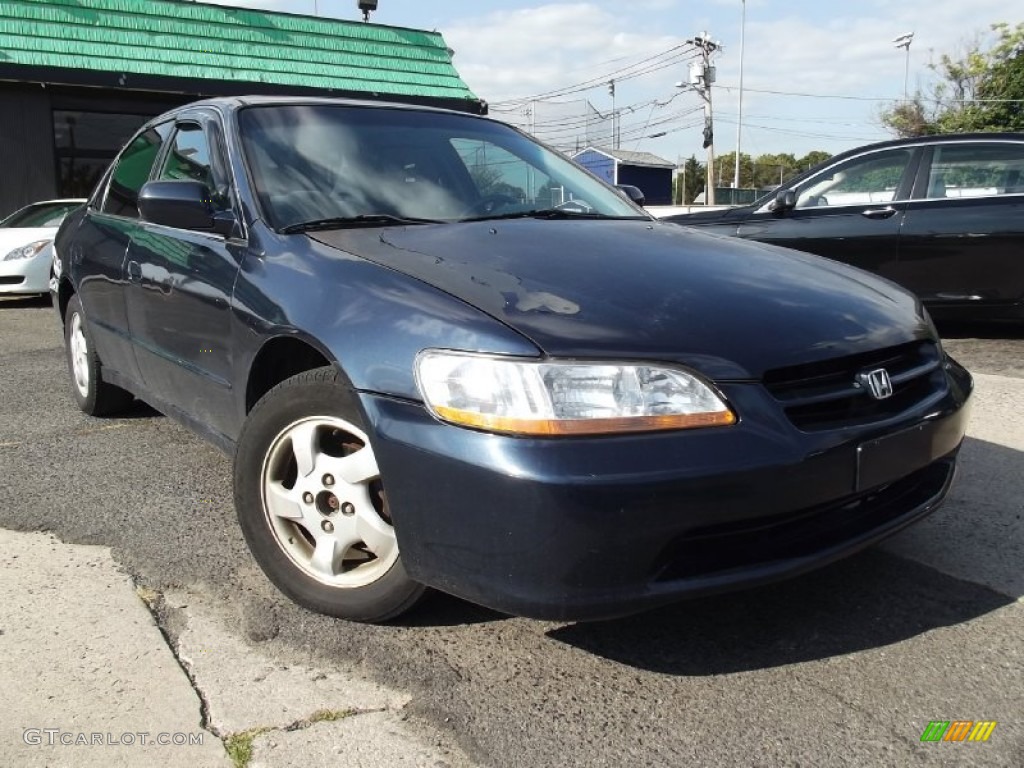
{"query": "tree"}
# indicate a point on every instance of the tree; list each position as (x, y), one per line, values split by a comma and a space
(690, 181)
(768, 170)
(491, 181)
(983, 90)
(811, 159)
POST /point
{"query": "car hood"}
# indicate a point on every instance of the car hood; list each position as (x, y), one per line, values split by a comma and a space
(643, 290)
(16, 237)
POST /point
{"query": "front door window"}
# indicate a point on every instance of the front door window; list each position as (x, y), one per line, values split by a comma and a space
(866, 180)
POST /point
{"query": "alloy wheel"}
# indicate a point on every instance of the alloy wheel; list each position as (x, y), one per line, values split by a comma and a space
(324, 502)
(79, 356)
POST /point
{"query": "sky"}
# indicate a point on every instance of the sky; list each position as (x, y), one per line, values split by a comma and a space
(837, 52)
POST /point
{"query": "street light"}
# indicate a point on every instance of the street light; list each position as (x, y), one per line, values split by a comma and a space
(904, 41)
(367, 7)
(739, 120)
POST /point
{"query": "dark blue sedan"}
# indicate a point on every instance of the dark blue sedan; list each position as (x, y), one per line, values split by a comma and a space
(443, 355)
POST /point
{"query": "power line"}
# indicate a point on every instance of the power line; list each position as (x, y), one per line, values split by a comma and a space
(556, 131)
(626, 73)
(578, 119)
(618, 79)
(805, 134)
(843, 121)
(849, 97)
(662, 60)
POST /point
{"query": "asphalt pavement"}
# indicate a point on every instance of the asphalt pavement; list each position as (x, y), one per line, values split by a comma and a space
(845, 666)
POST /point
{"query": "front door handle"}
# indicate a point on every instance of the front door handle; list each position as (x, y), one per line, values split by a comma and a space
(134, 271)
(879, 213)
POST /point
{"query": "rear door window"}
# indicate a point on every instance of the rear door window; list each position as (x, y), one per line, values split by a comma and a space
(976, 170)
(132, 170)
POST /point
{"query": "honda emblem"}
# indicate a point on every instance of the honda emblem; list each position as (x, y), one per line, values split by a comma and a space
(876, 382)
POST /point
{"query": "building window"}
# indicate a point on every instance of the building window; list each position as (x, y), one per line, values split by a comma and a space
(85, 143)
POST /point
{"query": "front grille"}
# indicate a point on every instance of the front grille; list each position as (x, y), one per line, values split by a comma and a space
(11, 280)
(761, 541)
(826, 395)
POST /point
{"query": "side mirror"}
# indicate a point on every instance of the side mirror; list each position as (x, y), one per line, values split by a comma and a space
(785, 200)
(633, 193)
(179, 204)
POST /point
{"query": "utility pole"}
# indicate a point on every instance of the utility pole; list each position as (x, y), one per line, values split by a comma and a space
(702, 81)
(739, 120)
(615, 115)
(533, 132)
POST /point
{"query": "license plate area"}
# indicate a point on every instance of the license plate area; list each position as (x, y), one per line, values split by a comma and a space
(889, 458)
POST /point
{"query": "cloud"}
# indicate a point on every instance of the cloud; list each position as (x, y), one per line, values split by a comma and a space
(511, 50)
(512, 54)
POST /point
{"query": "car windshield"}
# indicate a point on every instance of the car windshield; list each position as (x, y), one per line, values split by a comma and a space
(39, 215)
(329, 165)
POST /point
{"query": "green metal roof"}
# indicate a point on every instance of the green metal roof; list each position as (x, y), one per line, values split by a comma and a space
(189, 40)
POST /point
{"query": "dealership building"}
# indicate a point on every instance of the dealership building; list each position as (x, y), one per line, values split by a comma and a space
(78, 77)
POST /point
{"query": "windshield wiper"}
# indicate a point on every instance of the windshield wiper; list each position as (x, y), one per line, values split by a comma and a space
(549, 213)
(363, 220)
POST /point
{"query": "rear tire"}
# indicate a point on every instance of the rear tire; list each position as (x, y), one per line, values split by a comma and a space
(94, 396)
(311, 503)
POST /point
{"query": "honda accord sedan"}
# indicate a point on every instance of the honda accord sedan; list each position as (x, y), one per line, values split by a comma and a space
(443, 356)
(941, 215)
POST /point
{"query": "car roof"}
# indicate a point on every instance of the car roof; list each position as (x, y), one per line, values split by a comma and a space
(930, 139)
(234, 103)
(80, 200)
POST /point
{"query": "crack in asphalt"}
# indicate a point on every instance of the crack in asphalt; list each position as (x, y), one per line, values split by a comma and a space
(154, 602)
(160, 611)
(897, 738)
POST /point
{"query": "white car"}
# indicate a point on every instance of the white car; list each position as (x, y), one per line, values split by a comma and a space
(26, 245)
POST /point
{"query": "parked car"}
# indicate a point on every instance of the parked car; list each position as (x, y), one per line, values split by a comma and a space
(428, 374)
(26, 253)
(940, 215)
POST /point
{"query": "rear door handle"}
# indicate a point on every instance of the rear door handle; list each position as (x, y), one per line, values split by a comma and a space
(879, 213)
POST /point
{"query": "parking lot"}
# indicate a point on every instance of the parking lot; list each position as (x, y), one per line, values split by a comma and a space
(846, 666)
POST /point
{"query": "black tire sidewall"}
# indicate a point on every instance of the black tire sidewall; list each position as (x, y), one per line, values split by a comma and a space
(322, 392)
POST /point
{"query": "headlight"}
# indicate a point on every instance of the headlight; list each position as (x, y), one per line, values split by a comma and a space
(27, 251)
(527, 397)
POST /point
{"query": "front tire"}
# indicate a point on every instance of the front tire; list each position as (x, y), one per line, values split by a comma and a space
(94, 396)
(311, 503)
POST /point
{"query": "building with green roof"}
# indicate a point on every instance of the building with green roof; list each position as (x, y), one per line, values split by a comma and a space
(77, 77)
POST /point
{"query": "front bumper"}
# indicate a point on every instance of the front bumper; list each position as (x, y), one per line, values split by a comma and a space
(594, 528)
(26, 276)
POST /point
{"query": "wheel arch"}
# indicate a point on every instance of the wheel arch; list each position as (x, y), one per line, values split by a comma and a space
(280, 358)
(64, 293)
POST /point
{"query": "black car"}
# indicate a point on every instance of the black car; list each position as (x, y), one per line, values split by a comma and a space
(941, 215)
(443, 355)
